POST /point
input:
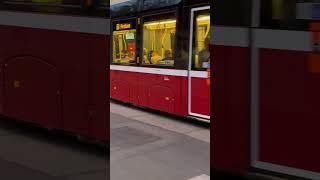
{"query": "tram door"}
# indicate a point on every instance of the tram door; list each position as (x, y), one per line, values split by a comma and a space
(199, 64)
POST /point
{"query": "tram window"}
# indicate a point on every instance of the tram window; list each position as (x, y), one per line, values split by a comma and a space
(158, 41)
(240, 12)
(201, 40)
(124, 43)
(288, 14)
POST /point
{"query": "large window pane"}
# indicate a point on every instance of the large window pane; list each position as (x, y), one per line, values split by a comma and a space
(201, 40)
(289, 14)
(158, 41)
(124, 43)
(231, 12)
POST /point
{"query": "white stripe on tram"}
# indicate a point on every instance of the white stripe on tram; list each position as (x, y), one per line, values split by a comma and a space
(230, 36)
(92, 25)
(199, 74)
(160, 71)
(282, 39)
(262, 38)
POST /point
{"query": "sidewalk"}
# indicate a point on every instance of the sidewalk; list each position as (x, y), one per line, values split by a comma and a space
(151, 146)
(32, 153)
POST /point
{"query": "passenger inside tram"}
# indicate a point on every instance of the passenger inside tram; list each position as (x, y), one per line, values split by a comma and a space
(168, 55)
(145, 56)
(155, 58)
(204, 54)
(158, 42)
(201, 53)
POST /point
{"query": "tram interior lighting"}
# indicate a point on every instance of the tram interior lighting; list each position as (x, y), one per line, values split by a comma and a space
(160, 22)
(203, 18)
(164, 24)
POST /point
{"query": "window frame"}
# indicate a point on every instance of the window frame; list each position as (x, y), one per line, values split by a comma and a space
(131, 19)
(158, 14)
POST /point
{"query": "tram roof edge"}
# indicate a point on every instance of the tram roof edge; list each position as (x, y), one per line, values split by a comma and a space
(131, 7)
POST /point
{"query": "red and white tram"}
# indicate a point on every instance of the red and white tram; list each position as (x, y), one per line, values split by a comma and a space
(54, 57)
(160, 56)
(266, 87)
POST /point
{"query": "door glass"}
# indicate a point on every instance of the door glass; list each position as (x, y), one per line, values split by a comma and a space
(201, 40)
(124, 43)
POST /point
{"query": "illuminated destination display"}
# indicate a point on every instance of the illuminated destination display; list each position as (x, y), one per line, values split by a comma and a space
(123, 26)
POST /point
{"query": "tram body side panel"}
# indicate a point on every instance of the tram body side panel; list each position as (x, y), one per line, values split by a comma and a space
(288, 115)
(156, 91)
(230, 108)
(162, 92)
(200, 96)
(124, 86)
(31, 83)
(69, 53)
(99, 106)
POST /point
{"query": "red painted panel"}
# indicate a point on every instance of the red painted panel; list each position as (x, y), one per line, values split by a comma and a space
(200, 96)
(161, 98)
(31, 87)
(230, 109)
(289, 105)
(99, 108)
(183, 101)
(120, 90)
(160, 92)
(163, 92)
(81, 61)
(144, 81)
(124, 86)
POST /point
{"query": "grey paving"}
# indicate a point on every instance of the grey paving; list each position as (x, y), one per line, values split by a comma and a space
(127, 137)
(143, 146)
(155, 151)
(27, 152)
(13, 171)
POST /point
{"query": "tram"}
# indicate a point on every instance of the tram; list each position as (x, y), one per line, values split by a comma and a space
(160, 55)
(54, 61)
(266, 88)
